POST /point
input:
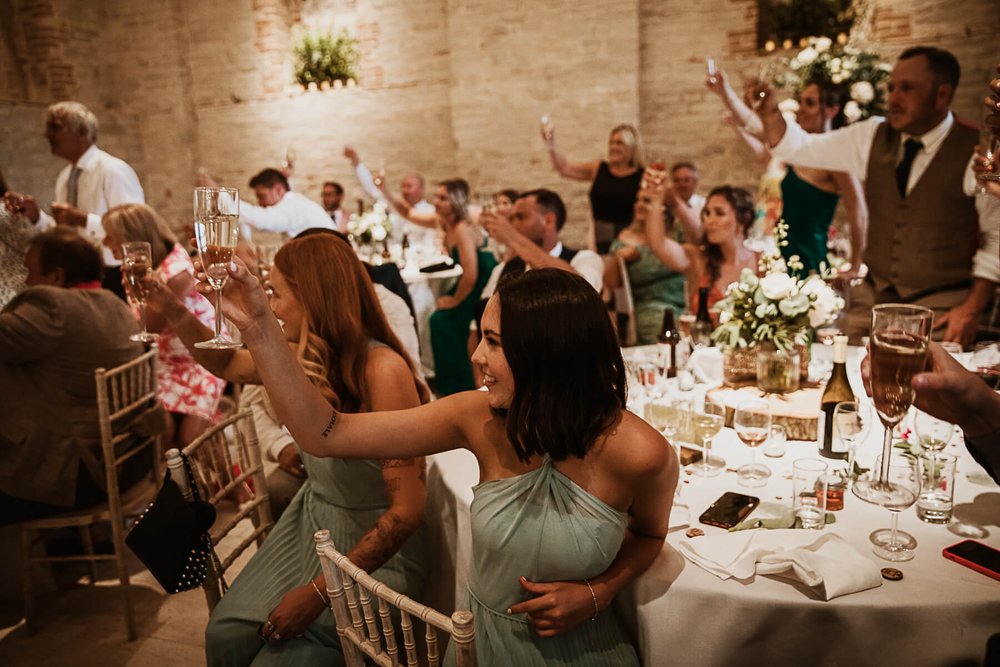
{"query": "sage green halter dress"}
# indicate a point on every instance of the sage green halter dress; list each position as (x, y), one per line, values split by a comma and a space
(542, 526)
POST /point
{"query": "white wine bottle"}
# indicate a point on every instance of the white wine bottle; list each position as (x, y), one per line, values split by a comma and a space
(838, 389)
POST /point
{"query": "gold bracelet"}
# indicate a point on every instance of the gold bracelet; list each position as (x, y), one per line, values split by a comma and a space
(326, 603)
(597, 609)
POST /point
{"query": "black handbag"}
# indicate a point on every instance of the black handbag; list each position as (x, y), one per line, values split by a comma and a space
(171, 537)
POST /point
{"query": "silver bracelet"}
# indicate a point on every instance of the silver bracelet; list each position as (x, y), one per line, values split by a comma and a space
(597, 609)
(322, 597)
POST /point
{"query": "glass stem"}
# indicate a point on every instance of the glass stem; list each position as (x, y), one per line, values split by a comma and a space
(142, 315)
(218, 313)
(883, 473)
(893, 541)
(704, 453)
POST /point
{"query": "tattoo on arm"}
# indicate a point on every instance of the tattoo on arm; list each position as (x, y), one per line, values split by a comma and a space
(382, 541)
(397, 463)
(329, 426)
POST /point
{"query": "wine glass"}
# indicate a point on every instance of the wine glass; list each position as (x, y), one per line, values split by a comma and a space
(932, 433)
(903, 477)
(850, 423)
(706, 425)
(752, 422)
(548, 129)
(899, 338)
(137, 268)
(988, 149)
(379, 176)
(216, 231)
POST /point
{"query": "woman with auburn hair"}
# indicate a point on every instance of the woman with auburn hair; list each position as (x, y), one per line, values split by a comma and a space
(187, 390)
(717, 259)
(574, 494)
(335, 331)
(614, 182)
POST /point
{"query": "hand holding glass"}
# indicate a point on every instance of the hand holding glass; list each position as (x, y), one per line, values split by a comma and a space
(137, 269)
(216, 231)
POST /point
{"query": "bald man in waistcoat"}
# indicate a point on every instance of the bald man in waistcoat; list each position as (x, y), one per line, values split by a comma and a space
(923, 229)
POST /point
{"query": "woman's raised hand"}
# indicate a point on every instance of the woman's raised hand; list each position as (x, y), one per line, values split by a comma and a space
(244, 302)
(716, 82)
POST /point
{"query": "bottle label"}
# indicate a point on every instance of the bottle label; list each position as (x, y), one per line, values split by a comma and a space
(663, 359)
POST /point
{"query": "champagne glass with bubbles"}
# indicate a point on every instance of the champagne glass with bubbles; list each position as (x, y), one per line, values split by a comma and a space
(899, 337)
(137, 269)
(216, 231)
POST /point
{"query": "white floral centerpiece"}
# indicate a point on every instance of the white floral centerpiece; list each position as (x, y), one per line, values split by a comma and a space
(373, 226)
(863, 73)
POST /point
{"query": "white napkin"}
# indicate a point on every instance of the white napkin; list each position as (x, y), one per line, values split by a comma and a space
(821, 560)
(706, 364)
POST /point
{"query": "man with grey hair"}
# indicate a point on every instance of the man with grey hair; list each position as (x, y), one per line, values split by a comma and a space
(89, 185)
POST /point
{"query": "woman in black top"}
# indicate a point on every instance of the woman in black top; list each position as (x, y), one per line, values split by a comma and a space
(614, 182)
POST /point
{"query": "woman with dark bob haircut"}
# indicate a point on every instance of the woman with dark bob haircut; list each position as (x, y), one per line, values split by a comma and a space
(574, 492)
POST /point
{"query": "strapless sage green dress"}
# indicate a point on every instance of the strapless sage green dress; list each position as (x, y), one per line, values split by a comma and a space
(542, 526)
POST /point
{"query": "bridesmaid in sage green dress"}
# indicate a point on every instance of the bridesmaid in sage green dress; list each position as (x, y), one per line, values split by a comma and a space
(574, 494)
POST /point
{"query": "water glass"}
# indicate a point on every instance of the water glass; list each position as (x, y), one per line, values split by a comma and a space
(809, 483)
(776, 443)
(937, 487)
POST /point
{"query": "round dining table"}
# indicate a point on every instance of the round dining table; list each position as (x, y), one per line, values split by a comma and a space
(938, 613)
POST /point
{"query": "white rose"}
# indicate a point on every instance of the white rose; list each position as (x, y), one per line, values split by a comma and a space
(863, 92)
(378, 232)
(823, 44)
(835, 65)
(795, 64)
(818, 317)
(777, 285)
(852, 111)
(807, 55)
(839, 77)
(725, 316)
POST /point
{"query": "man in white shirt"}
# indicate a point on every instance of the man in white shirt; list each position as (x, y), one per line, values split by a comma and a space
(280, 209)
(88, 186)
(922, 225)
(683, 203)
(411, 189)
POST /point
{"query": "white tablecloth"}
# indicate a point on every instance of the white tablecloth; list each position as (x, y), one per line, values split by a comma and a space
(940, 613)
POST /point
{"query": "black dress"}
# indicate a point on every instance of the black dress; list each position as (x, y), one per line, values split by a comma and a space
(611, 201)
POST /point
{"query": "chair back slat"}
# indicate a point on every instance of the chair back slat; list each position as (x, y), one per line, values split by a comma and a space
(349, 587)
(227, 466)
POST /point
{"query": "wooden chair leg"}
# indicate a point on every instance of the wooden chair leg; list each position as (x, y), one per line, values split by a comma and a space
(123, 581)
(88, 548)
(27, 542)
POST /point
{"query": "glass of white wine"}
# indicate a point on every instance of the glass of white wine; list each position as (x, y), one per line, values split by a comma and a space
(706, 425)
(216, 231)
(752, 422)
(137, 269)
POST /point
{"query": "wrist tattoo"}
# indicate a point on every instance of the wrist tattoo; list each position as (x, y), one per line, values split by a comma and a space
(329, 426)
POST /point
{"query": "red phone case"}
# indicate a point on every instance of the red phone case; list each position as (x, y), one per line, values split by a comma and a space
(972, 565)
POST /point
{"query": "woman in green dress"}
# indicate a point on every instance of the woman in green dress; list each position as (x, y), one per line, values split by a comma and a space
(574, 493)
(338, 340)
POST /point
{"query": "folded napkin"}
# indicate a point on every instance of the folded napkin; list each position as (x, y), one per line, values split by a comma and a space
(821, 560)
(706, 365)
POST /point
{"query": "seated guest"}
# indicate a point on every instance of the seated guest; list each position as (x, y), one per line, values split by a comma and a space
(715, 260)
(15, 231)
(654, 286)
(373, 509)
(187, 390)
(53, 335)
(503, 202)
(574, 494)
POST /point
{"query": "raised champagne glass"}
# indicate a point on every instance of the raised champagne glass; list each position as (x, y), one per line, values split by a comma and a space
(899, 337)
(137, 269)
(752, 422)
(216, 231)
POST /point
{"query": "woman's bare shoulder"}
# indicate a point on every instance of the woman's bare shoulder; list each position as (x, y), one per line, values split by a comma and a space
(636, 450)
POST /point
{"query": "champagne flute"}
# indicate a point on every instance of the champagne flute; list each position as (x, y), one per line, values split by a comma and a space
(899, 337)
(752, 422)
(904, 476)
(706, 425)
(988, 149)
(216, 231)
(137, 268)
(850, 424)
(710, 70)
(548, 129)
(379, 176)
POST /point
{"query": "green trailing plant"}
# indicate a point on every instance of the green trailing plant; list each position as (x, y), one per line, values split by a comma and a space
(325, 58)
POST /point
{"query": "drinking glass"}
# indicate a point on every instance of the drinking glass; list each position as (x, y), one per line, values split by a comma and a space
(899, 338)
(988, 149)
(809, 488)
(379, 175)
(932, 433)
(216, 231)
(937, 487)
(850, 423)
(706, 425)
(752, 422)
(548, 130)
(903, 478)
(776, 442)
(137, 268)
(710, 70)
(656, 168)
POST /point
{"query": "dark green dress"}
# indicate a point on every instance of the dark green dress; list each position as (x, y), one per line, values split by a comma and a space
(808, 211)
(654, 287)
(450, 333)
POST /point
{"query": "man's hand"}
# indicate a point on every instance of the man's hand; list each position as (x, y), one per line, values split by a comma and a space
(66, 214)
(351, 155)
(290, 461)
(22, 205)
(556, 607)
(498, 227)
(959, 325)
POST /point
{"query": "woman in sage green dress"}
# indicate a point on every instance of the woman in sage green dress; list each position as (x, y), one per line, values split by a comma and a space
(574, 493)
(338, 339)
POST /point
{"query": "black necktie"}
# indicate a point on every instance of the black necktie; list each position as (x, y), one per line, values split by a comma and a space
(910, 150)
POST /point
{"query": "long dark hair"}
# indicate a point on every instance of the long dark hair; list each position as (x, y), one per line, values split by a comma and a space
(831, 95)
(743, 207)
(569, 377)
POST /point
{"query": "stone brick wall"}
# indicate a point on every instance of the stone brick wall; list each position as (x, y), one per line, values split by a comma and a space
(448, 87)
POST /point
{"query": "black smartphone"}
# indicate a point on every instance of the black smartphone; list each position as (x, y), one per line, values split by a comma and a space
(729, 509)
(976, 555)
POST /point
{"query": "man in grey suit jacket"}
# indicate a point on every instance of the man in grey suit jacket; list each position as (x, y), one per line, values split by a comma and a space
(53, 335)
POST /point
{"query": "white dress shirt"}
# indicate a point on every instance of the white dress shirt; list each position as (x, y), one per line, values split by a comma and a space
(294, 214)
(848, 148)
(986, 261)
(585, 262)
(418, 234)
(104, 182)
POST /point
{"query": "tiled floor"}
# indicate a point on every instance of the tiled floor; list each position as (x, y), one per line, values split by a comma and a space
(83, 625)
